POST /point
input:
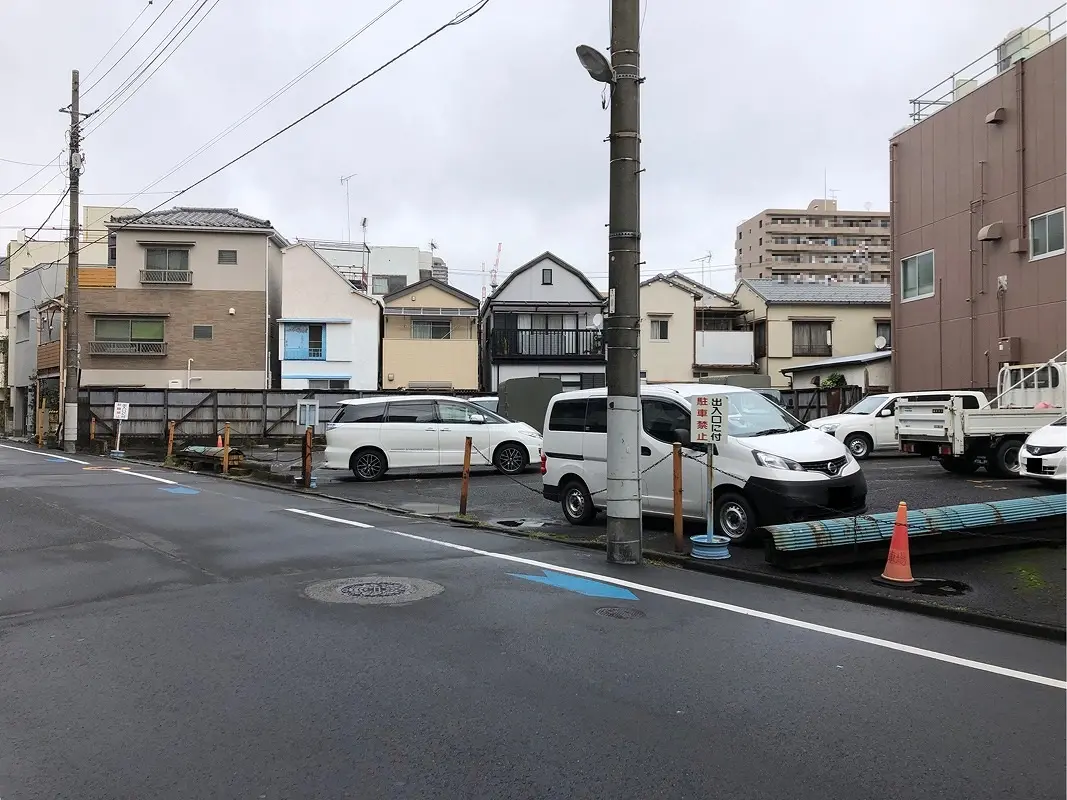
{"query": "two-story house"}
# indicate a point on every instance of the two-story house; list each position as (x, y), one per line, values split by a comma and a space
(690, 331)
(330, 331)
(380, 270)
(430, 338)
(545, 319)
(190, 299)
(799, 323)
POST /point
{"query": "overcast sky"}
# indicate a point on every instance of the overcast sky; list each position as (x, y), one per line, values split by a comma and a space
(491, 132)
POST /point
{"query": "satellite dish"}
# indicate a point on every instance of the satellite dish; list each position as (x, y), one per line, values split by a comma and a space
(598, 320)
(880, 343)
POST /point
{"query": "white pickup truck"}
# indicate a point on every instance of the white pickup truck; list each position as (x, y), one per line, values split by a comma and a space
(964, 439)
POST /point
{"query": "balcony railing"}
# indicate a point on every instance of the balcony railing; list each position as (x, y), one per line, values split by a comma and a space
(725, 348)
(127, 348)
(532, 345)
(812, 350)
(304, 354)
(96, 277)
(167, 276)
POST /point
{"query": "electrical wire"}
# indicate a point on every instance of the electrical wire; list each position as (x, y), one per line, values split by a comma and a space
(29, 239)
(116, 44)
(93, 126)
(22, 163)
(28, 197)
(135, 42)
(34, 175)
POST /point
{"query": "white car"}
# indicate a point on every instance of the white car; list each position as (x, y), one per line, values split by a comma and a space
(1044, 454)
(871, 424)
(372, 435)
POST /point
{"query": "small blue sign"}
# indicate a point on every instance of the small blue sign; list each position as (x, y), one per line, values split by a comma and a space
(180, 490)
(572, 583)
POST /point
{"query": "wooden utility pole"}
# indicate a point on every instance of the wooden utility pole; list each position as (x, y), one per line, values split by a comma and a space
(70, 299)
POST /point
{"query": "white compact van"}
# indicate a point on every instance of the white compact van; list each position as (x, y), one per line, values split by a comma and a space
(871, 423)
(771, 469)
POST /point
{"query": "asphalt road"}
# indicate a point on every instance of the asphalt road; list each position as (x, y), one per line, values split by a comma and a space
(157, 640)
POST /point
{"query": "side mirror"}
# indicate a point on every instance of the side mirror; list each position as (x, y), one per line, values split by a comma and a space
(681, 436)
(477, 419)
(886, 412)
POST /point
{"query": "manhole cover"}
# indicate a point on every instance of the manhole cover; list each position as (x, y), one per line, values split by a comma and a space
(614, 612)
(373, 591)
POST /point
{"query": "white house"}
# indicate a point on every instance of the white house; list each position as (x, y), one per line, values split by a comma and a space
(543, 321)
(330, 333)
(379, 271)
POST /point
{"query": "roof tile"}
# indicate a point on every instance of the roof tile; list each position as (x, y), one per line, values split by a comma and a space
(821, 293)
(183, 217)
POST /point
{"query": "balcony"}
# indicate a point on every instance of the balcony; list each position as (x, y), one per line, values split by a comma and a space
(304, 354)
(725, 348)
(546, 345)
(127, 348)
(48, 356)
(96, 277)
(167, 277)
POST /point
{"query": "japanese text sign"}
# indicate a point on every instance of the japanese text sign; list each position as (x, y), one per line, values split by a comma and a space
(122, 411)
(710, 420)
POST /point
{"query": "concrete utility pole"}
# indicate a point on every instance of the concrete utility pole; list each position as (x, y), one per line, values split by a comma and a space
(70, 300)
(623, 321)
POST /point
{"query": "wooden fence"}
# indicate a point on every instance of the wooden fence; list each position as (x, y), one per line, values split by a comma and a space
(200, 414)
(812, 403)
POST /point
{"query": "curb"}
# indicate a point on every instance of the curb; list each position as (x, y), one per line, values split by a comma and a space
(1008, 624)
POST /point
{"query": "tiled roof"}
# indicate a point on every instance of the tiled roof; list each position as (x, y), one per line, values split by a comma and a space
(195, 218)
(821, 293)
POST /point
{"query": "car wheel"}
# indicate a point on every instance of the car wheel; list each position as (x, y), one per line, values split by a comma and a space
(511, 458)
(1004, 461)
(959, 465)
(577, 504)
(734, 518)
(368, 464)
(859, 444)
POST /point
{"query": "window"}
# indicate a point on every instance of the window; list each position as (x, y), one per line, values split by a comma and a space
(140, 329)
(546, 277)
(661, 419)
(203, 332)
(412, 412)
(812, 338)
(22, 326)
(1046, 234)
(164, 258)
(759, 339)
(885, 330)
(431, 329)
(364, 413)
(917, 276)
(227, 256)
(328, 384)
(304, 342)
(660, 329)
(112, 249)
(387, 284)
(48, 326)
(596, 415)
(568, 415)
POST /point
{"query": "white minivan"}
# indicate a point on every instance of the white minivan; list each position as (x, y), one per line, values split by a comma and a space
(871, 423)
(374, 434)
(771, 469)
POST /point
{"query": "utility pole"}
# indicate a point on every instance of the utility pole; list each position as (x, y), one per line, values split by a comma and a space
(70, 300)
(623, 321)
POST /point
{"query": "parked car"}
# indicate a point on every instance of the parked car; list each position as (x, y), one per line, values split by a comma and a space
(1044, 454)
(491, 403)
(870, 424)
(772, 468)
(372, 435)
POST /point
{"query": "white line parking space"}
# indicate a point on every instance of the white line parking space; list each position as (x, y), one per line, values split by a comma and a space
(44, 453)
(734, 609)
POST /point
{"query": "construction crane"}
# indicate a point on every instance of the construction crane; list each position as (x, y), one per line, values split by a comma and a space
(496, 267)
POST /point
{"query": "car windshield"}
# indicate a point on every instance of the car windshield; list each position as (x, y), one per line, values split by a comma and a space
(752, 414)
(868, 405)
(1061, 421)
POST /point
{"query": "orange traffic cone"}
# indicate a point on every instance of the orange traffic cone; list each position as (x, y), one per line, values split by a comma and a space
(219, 444)
(898, 564)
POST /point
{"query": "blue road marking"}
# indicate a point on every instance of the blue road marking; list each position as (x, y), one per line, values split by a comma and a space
(55, 460)
(573, 583)
(179, 490)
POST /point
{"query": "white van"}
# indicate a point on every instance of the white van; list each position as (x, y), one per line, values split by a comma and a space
(871, 423)
(374, 434)
(772, 468)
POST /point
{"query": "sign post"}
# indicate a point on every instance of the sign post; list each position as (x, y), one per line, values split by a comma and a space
(120, 414)
(710, 424)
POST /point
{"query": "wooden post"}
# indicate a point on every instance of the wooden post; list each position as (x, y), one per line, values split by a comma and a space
(678, 520)
(226, 449)
(170, 439)
(465, 486)
(308, 442)
(42, 415)
(92, 427)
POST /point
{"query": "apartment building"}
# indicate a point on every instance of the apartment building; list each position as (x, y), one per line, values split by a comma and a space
(977, 186)
(380, 270)
(34, 343)
(191, 301)
(819, 241)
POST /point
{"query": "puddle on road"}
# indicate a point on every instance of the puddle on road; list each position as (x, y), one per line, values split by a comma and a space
(940, 587)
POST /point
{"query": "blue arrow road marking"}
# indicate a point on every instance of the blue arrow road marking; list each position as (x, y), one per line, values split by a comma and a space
(572, 583)
(180, 490)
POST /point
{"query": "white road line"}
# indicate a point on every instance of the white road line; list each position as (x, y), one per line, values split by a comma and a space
(749, 612)
(46, 453)
(125, 471)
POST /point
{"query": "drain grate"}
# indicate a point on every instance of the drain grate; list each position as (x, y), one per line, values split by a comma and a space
(373, 591)
(615, 612)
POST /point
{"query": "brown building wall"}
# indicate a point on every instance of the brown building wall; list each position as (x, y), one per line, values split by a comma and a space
(950, 175)
(238, 341)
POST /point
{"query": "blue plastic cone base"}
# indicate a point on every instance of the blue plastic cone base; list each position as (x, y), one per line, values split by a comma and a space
(709, 548)
(118, 454)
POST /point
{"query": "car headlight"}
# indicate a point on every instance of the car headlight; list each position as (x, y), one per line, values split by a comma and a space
(831, 428)
(775, 462)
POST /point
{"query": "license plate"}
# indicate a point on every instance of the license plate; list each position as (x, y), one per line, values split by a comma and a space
(1033, 465)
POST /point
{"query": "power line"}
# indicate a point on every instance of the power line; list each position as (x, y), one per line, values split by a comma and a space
(116, 44)
(81, 194)
(28, 197)
(34, 175)
(135, 42)
(22, 163)
(29, 239)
